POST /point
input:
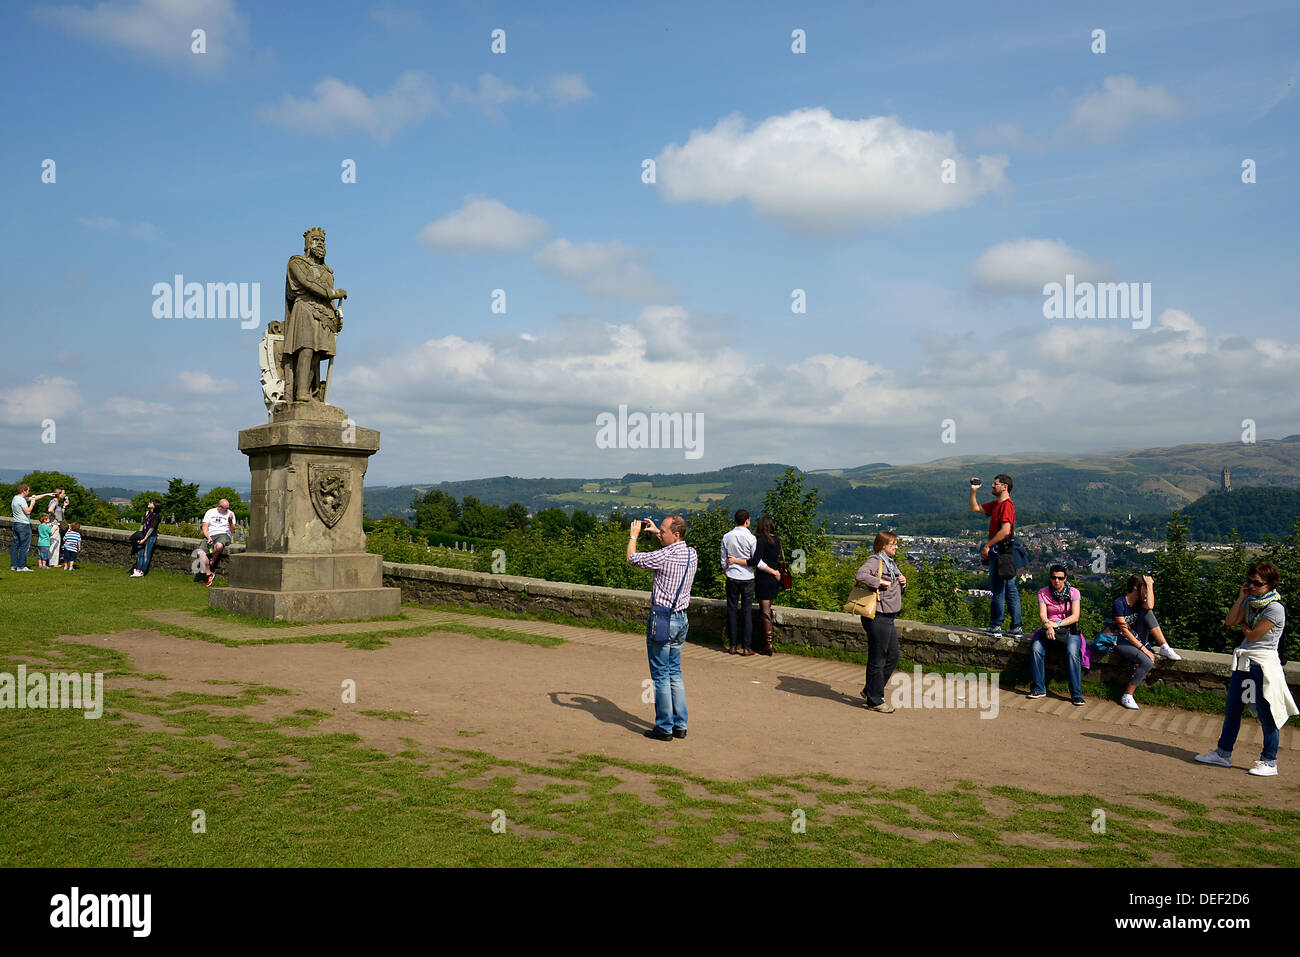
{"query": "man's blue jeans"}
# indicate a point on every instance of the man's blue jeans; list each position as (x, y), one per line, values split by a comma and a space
(143, 559)
(1073, 645)
(1004, 593)
(22, 541)
(1232, 715)
(666, 672)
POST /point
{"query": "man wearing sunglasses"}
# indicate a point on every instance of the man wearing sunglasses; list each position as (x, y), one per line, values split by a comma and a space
(1257, 675)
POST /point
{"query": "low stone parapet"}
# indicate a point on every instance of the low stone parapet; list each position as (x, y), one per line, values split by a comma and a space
(920, 642)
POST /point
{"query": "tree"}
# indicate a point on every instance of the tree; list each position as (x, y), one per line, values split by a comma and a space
(141, 502)
(551, 521)
(436, 511)
(516, 515)
(215, 495)
(181, 500)
(1284, 555)
(583, 523)
(795, 514)
(1179, 595)
(481, 521)
(83, 504)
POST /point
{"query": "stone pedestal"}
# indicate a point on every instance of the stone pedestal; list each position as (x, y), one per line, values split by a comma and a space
(306, 556)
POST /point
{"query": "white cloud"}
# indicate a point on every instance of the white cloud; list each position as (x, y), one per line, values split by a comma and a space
(1121, 103)
(159, 28)
(526, 404)
(483, 226)
(491, 94)
(395, 18)
(337, 107)
(819, 174)
(107, 224)
(568, 88)
(605, 270)
(191, 382)
(1024, 265)
(27, 405)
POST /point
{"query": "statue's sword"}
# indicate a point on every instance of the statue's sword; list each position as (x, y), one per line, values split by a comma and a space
(325, 385)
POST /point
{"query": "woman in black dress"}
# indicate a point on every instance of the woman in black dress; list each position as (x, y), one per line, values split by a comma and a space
(767, 562)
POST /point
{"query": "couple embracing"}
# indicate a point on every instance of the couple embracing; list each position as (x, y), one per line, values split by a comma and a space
(755, 566)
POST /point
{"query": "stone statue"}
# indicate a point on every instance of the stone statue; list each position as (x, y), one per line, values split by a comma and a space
(311, 321)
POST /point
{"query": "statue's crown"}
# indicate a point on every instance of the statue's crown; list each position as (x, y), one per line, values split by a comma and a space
(314, 231)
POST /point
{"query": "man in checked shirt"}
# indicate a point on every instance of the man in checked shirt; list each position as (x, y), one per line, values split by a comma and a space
(674, 566)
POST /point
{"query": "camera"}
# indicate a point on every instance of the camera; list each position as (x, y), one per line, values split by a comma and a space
(976, 482)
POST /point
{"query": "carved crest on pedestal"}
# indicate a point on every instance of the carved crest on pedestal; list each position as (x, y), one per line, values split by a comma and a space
(331, 489)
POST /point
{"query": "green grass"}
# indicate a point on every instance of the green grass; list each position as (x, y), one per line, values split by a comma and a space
(605, 624)
(281, 793)
(500, 634)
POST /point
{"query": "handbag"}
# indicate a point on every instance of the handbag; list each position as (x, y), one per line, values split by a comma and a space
(863, 601)
(1105, 643)
(1006, 562)
(657, 626)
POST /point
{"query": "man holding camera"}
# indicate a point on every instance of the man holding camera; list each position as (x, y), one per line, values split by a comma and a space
(674, 566)
(1002, 522)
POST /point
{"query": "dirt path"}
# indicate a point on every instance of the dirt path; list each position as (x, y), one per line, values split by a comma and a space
(748, 717)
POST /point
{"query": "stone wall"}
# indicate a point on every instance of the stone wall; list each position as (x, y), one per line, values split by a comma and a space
(112, 546)
(928, 644)
(920, 642)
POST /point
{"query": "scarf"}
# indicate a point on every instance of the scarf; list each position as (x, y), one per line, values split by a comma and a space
(1255, 606)
(1062, 596)
(887, 564)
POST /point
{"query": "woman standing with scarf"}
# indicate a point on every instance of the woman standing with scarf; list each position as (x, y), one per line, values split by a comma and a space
(880, 572)
(1259, 612)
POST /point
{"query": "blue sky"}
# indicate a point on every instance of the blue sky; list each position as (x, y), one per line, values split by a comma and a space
(776, 171)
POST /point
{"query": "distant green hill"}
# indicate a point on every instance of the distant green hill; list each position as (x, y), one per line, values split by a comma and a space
(1145, 482)
(1254, 513)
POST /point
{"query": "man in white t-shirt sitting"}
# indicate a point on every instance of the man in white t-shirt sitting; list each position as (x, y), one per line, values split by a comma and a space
(218, 524)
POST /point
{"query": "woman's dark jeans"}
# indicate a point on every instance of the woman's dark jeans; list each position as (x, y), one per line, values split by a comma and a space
(882, 655)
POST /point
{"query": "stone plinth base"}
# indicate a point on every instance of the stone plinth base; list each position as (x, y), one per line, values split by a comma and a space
(306, 552)
(308, 606)
(264, 571)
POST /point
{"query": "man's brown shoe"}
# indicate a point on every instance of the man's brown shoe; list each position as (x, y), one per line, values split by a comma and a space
(883, 708)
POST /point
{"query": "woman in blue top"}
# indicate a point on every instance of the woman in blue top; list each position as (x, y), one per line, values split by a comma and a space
(1058, 608)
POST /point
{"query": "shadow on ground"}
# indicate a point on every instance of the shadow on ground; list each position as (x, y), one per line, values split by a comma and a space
(602, 709)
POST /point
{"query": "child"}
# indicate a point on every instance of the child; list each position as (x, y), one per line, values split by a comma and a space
(43, 542)
(56, 542)
(72, 546)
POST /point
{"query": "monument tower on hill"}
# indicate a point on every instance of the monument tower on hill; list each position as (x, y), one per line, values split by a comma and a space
(306, 556)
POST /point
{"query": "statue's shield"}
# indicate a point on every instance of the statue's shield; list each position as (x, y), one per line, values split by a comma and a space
(331, 489)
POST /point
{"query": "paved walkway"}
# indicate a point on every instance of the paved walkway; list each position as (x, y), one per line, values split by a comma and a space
(845, 677)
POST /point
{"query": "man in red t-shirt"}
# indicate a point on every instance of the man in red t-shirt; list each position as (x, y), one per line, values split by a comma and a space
(1002, 522)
